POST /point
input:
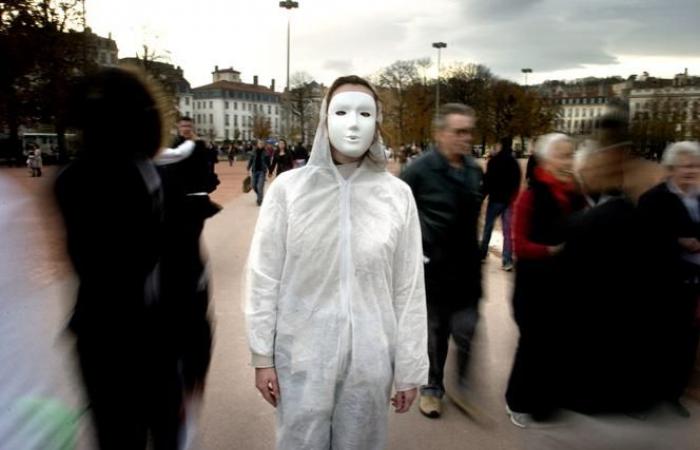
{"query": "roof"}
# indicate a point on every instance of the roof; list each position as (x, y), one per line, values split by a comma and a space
(229, 70)
(236, 86)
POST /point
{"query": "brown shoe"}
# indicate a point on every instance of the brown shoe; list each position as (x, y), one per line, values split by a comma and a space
(430, 406)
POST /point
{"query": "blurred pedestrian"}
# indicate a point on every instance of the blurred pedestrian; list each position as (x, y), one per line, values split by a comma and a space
(606, 323)
(258, 166)
(231, 154)
(336, 313)
(111, 201)
(34, 160)
(539, 230)
(671, 213)
(501, 185)
(184, 279)
(283, 159)
(446, 184)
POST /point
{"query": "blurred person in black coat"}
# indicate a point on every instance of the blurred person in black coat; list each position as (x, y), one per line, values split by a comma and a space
(111, 201)
(605, 314)
(184, 278)
(671, 213)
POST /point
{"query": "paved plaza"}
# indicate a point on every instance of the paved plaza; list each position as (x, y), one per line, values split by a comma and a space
(36, 291)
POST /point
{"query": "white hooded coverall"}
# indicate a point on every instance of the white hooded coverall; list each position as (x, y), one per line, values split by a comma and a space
(335, 297)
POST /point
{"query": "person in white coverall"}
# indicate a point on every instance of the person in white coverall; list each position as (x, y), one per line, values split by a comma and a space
(335, 297)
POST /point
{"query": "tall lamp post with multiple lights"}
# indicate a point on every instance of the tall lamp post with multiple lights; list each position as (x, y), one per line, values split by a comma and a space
(288, 5)
(439, 46)
(525, 71)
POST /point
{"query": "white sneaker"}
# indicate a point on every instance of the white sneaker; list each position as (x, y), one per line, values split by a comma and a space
(521, 420)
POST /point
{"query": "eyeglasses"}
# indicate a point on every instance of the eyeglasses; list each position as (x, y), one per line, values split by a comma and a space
(461, 131)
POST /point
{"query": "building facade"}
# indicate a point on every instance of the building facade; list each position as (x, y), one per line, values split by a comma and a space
(231, 110)
(674, 105)
(580, 102)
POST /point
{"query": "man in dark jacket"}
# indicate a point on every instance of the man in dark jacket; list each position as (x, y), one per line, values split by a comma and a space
(446, 184)
(258, 166)
(187, 185)
(501, 186)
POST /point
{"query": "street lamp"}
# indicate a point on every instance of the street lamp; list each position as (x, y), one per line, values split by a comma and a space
(439, 46)
(288, 5)
(526, 71)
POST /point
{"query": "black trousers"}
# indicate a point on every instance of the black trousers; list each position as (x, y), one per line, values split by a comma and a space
(678, 342)
(132, 394)
(185, 296)
(445, 321)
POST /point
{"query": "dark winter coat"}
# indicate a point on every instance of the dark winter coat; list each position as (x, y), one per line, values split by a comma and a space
(259, 161)
(113, 215)
(502, 178)
(449, 204)
(282, 163)
(606, 311)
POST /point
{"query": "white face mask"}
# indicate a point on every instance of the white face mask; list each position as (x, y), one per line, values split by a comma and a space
(352, 122)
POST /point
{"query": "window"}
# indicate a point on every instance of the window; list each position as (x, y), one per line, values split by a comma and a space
(277, 109)
(187, 101)
(235, 105)
(211, 105)
(226, 133)
(226, 105)
(226, 120)
(235, 120)
(269, 109)
(211, 119)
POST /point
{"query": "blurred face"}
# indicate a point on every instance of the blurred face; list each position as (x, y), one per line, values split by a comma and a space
(283, 146)
(561, 161)
(686, 170)
(457, 136)
(602, 171)
(352, 120)
(260, 144)
(184, 128)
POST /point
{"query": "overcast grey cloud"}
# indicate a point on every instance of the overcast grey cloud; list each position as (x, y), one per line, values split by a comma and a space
(556, 38)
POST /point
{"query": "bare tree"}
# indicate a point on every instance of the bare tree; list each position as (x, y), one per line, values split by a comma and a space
(300, 99)
(401, 85)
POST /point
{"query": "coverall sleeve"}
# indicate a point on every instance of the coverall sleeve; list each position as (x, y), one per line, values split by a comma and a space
(173, 155)
(411, 357)
(263, 275)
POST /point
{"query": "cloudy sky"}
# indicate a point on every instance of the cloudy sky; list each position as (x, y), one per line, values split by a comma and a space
(558, 39)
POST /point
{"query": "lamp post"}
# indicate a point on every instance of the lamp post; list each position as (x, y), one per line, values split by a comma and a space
(288, 5)
(525, 71)
(439, 46)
